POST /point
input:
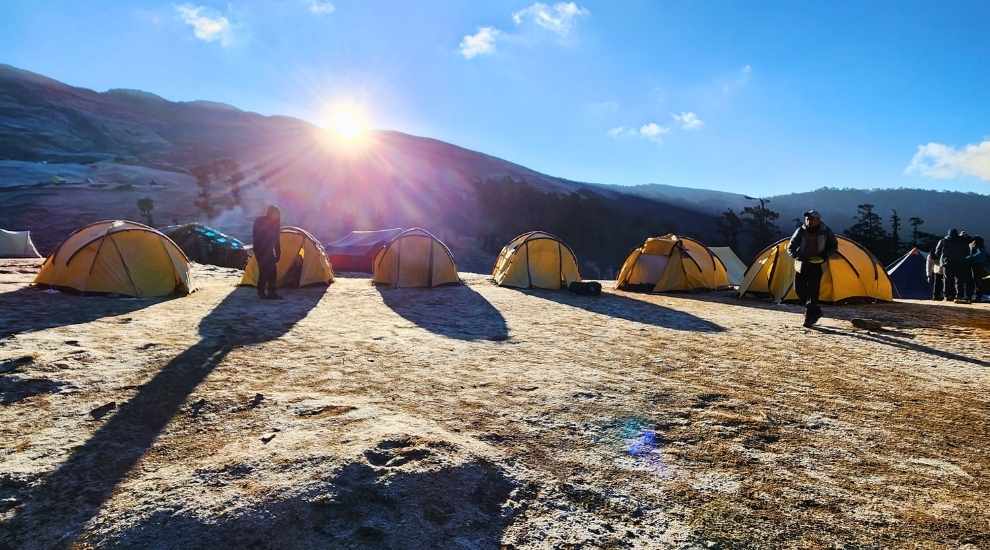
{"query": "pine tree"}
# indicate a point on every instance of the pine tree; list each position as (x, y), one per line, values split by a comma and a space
(761, 222)
(915, 223)
(145, 206)
(895, 233)
(869, 232)
(729, 227)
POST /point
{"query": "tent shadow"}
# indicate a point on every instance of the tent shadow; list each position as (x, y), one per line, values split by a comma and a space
(31, 309)
(629, 309)
(455, 311)
(358, 506)
(887, 338)
(72, 495)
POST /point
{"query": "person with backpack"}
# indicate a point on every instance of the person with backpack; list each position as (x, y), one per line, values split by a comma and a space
(811, 245)
(951, 253)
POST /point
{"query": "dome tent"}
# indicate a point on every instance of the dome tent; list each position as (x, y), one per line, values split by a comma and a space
(536, 260)
(17, 244)
(415, 258)
(851, 273)
(118, 257)
(206, 245)
(357, 250)
(303, 262)
(670, 263)
(909, 275)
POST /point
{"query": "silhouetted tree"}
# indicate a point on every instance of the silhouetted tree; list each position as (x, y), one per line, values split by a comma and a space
(204, 197)
(729, 227)
(895, 233)
(915, 223)
(146, 205)
(869, 232)
(761, 223)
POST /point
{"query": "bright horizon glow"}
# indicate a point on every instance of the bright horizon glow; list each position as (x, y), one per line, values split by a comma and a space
(346, 125)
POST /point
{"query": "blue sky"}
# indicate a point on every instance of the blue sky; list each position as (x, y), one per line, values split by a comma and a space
(753, 97)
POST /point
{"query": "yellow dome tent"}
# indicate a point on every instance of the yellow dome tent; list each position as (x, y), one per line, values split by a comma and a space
(852, 272)
(671, 262)
(536, 260)
(118, 257)
(303, 262)
(415, 258)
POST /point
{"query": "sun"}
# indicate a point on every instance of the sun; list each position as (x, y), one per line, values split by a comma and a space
(346, 124)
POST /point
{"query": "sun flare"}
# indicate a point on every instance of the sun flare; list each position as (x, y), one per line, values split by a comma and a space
(346, 124)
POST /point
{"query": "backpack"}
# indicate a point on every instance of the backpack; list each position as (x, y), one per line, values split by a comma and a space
(585, 288)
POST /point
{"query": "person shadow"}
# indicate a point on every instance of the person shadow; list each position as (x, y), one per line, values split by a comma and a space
(629, 309)
(56, 510)
(31, 309)
(455, 311)
(896, 339)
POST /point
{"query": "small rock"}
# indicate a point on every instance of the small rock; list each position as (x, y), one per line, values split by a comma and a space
(101, 411)
(268, 437)
(866, 324)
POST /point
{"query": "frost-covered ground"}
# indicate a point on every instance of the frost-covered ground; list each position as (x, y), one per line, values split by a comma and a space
(479, 416)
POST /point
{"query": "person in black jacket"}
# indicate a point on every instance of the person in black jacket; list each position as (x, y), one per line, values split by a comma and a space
(951, 253)
(810, 246)
(267, 251)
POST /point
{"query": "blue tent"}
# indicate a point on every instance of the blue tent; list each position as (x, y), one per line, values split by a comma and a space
(356, 251)
(908, 274)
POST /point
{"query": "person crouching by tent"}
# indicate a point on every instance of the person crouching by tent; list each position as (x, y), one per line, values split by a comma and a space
(810, 245)
(267, 251)
(951, 254)
(933, 274)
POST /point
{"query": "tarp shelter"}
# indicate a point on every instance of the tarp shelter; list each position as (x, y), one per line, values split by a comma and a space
(415, 258)
(670, 263)
(303, 262)
(206, 245)
(853, 272)
(734, 267)
(118, 257)
(909, 275)
(357, 250)
(17, 244)
(536, 260)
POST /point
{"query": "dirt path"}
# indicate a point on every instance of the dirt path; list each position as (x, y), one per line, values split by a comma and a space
(478, 416)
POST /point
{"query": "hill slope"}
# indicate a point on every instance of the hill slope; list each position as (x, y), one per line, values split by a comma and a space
(70, 155)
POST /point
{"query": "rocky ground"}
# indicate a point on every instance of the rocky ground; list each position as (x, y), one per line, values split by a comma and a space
(479, 417)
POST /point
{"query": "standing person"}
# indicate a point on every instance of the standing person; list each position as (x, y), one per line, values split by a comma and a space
(267, 251)
(933, 274)
(979, 265)
(811, 245)
(951, 253)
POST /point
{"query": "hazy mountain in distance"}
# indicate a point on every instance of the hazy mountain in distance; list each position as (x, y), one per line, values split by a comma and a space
(70, 156)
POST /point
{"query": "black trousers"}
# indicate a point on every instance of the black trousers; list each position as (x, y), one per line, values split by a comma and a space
(957, 281)
(808, 283)
(267, 275)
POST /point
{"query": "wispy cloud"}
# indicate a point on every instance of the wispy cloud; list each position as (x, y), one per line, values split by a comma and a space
(559, 18)
(688, 120)
(940, 161)
(207, 24)
(320, 7)
(479, 43)
(650, 131)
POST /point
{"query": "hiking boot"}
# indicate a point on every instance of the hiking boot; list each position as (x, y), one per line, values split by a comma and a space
(811, 315)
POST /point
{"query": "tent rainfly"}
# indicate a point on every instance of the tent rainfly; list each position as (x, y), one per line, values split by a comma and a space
(118, 257)
(909, 275)
(206, 245)
(415, 258)
(536, 260)
(303, 262)
(734, 267)
(853, 272)
(357, 250)
(17, 244)
(671, 263)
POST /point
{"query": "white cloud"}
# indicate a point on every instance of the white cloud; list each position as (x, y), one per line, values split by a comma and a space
(321, 7)
(479, 43)
(207, 25)
(559, 18)
(653, 131)
(940, 161)
(688, 120)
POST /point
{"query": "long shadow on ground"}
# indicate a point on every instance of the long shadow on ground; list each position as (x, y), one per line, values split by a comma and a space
(31, 309)
(453, 505)
(455, 311)
(630, 309)
(55, 511)
(889, 338)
